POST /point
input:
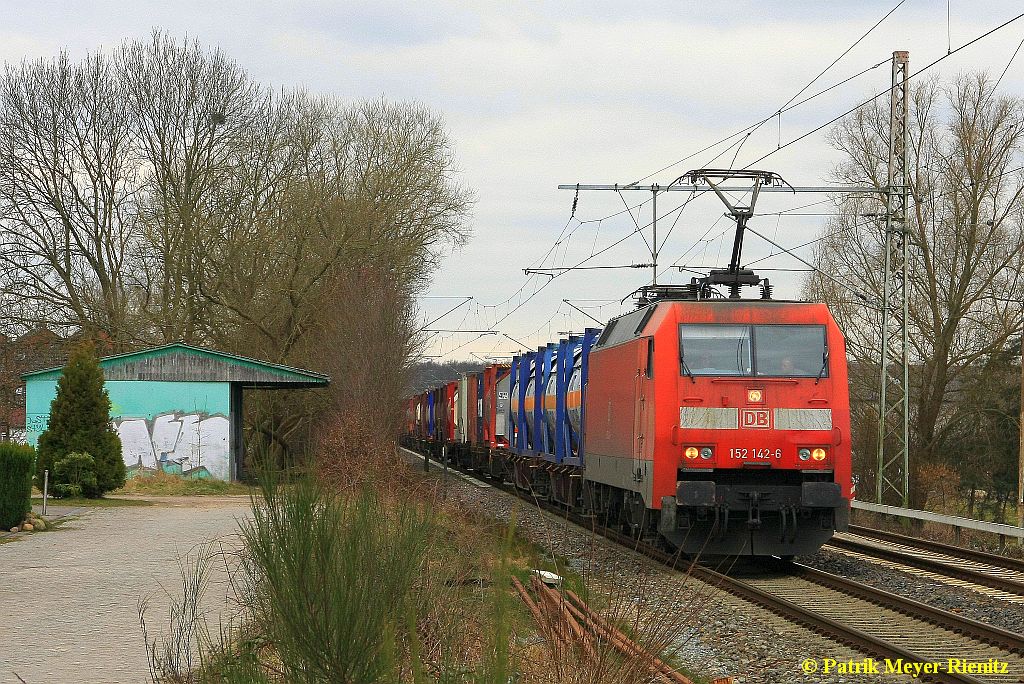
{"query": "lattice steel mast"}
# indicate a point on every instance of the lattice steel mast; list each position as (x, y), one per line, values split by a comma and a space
(894, 383)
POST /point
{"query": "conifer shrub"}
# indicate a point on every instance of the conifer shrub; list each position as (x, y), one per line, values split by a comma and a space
(80, 422)
(15, 483)
(62, 490)
(75, 474)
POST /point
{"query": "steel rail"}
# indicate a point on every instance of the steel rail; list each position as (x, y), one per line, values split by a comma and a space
(939, 567)
(816, 622)
(820, 624)
(983, 557)
(986, 633)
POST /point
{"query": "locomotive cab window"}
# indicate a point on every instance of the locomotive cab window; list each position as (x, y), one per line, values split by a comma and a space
(790, 351)
(715, 349)
(795, 351)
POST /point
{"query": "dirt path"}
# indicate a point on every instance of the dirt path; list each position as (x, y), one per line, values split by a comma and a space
(69, 598)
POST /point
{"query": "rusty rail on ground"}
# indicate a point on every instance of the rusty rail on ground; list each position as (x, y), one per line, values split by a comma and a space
(569, 621)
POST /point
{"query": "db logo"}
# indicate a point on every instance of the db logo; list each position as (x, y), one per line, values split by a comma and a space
(754, 418)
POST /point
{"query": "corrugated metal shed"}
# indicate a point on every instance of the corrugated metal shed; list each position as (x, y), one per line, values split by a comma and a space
(176, 408)
(180, 362)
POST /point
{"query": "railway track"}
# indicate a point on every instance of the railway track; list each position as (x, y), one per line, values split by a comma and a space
(881, 621)
(992, 559)
(875, 622)
(968, 568)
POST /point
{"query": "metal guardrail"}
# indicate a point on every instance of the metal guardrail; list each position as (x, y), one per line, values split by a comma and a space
(954, 521)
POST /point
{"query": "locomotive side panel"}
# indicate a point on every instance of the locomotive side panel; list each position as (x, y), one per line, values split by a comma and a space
(843, 459)
(618, 413)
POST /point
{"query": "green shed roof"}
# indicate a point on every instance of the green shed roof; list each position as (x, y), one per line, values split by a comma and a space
(179, 362)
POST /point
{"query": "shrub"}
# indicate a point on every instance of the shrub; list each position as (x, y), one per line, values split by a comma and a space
(80, 422)
(328, 589)
(77, 470)
(15, 483)
(337, 576)
(66, 491)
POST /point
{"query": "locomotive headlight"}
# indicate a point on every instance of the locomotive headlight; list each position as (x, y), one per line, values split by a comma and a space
(755, 396)
(691, 452)
(804, 454)
(818, 454)
(706, 453)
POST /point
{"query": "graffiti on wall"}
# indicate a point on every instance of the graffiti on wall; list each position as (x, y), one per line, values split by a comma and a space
(16, 436)
(36, 422)
(194, 445)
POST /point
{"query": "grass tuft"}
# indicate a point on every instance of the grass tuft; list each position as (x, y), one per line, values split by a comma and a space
(163, 484)
(76, 501)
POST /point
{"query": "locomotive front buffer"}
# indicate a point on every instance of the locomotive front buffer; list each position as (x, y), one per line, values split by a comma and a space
(781, 520)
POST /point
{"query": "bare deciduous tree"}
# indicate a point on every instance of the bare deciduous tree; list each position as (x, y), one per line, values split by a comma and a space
(69, 192)
(193, 117)
(966, 246)
(158, 194)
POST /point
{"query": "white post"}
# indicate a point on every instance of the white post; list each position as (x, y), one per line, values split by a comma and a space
(444, 457)
(46, 487)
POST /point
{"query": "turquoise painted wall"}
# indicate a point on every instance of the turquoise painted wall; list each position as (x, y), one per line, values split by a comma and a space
(186, 424)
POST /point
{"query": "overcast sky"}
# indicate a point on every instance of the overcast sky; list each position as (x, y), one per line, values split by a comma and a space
(538, 94)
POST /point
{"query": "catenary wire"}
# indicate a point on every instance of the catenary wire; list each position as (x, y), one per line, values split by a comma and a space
(877, 95)
(779, 148)
(785, 107)
(789, 105)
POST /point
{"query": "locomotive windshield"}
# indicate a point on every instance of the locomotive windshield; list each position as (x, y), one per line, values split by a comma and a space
(790, 351)
(758, 350)
(715, 349)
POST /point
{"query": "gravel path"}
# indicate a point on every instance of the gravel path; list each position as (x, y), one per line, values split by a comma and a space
(69, 597)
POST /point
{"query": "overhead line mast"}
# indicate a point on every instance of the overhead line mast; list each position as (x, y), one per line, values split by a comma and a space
(893, 476)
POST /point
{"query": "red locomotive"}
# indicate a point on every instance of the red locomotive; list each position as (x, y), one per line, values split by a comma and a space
(720, 425)
(723, 425)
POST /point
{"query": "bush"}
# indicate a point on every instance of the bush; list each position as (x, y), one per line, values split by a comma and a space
(77, 471)
(66, 491)
(328, 591)
(337, 577)
(80, 422)
(15, 483)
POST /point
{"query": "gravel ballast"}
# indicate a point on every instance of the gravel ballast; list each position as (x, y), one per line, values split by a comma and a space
(971, 604)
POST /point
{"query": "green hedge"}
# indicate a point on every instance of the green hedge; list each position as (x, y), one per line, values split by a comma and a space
(15, 483)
